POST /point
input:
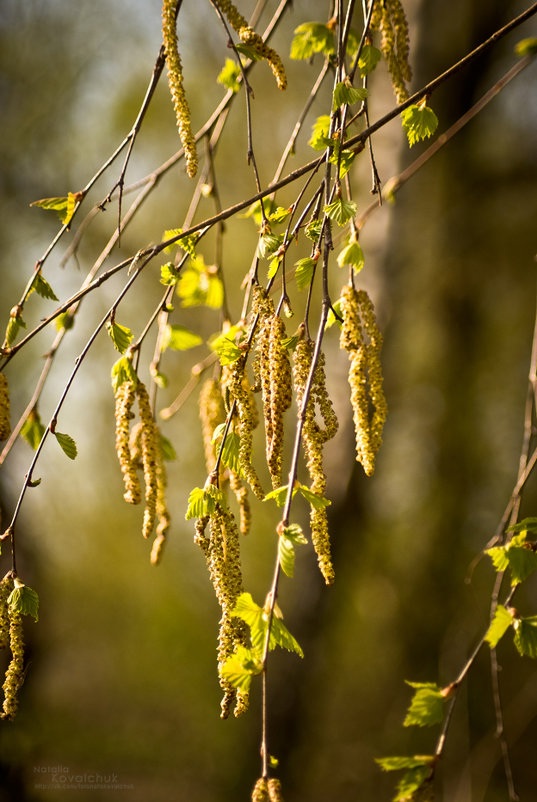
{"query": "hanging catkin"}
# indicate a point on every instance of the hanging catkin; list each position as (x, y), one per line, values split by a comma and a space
(125, 396)
(313, 439)
(365, 373)
(389, 18)
(249, 37)
(11, 634)
(177, 90)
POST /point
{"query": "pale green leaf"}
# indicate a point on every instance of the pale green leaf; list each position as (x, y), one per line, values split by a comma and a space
(226, 350)
(122, 371)
(400, 763)
(280, 636)
(179, 338)
(341, 210)
(316, 501)
(311, 38)
(319, 137)
(369, 58)
(229, 75)
(353, 255)
(24, 600)
(526, 525)
(43, 288)
(526, 636)
(294, 533)
(278, 495)
(427, 705)
(419, 122)
(67, 444)
(202, 501)
(346, 94)
(498, 555)
(304, 270)
(273, 266)
(168, 451)
(313, 230)
(186, 243)
(331, 319)
(269, 244)
(240, 667)
(278, 215)
(286, 555)
(32, 429)
(499, 625)
(168, 274)
(121, 336)
(13, 327)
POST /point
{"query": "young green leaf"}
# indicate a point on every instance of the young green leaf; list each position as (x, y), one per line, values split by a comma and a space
(273, 266)
(226, 350)
(13, 326)
(230, 450)
(304, 270)
(344, 161)
(526, 636)
(311, 38)
(186, 243)
(65, 321)
(499, 625)
(67, 444)
(32, 429)
(202, 501)
(331, 319)
(518, 555)
(179, 338)
(278, 495)
(280, 636)
(122, 371)
(278, 215)
(63, 206)
(526, 525)
(313, 230)
(240, 667)
(341, 210)
(419, 122)
(24, 600)
(369, 58)
(353, 255)
(290, 537)
(168, 274)
(427, 705)
(43, 288)
(316, 501)
(121, 336)
(248, 51)
(319, 137)
(269, 244)
(229, 74)
(199, 285)
(345, 94)
(418, 771)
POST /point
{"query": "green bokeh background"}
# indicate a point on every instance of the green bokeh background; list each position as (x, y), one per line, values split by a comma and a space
(122, 675)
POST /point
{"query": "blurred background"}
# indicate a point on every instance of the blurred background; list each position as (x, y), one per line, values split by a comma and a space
(122, 676)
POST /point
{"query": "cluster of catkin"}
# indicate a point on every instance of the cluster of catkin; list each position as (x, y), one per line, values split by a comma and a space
(273, 376)
(5, 427)
(389, 18)
(222, 553)
(314, 436)
(141, 448)
(11, 635)
(177, 90)
(360, 336)
(212, 414)
(267, 790)
(249, 37)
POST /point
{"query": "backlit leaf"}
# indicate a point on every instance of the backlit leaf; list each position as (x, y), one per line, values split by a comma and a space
(67, 444)
(341, 210)
(122, 371)
(311, 38)
(304, 270)
(526, 636)
(179, 338)
(229, 74)
(43, 288)
(419, 122)
(345, 94)
(24, 600)
(427, 705)
(369, 58)
(121, 336)
(499, 625)
(32, 429)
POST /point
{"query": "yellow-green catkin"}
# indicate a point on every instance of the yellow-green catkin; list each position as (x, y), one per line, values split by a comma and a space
(212, 414)
(241, 494)
(162, 513)
(278, 399)
(249, 37)
(389, 18)
(313, 439)
(125, 396)
(235, 381)
(260, 791)
(365, 373)
(275, 790)
(149, 446)
(5, 426)
(223, 559)
(175, 81)
(15, 672)
(6, 586)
